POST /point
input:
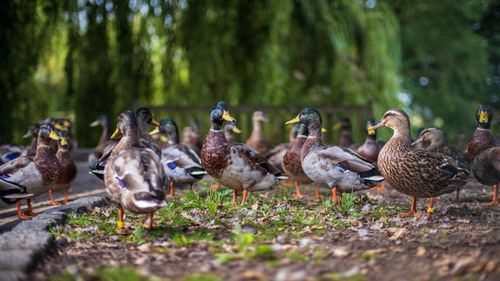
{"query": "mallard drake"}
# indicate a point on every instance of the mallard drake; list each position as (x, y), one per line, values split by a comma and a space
(256, 140)
(292, 160)
(24, 177)
(144, 118)
(370, 148)
(134, 175)
(181, 164)
(236, 166)
(103, 140)
(433, 139)
(68, 168)
(336, 168)
(230, 129)
(415, 172)
(483, 152)
(345, 139)
(191, 136)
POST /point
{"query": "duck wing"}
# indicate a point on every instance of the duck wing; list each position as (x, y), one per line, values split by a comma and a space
(138, 170)
(182, 156)
(14, 165)
(347, 158)
(259, 160)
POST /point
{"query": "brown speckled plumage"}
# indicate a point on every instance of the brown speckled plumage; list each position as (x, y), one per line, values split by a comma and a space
(292, 160)
(215, 153)
(67, 165)
(256, 140)
(417, 173)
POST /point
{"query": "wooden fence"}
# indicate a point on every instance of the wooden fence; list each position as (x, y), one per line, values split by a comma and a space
(275, 130)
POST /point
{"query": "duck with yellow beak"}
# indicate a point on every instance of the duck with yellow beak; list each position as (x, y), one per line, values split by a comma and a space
(414, 172)
(25, 177)
(336, 168)
(483, 152)
(236, 166)
(145, 119)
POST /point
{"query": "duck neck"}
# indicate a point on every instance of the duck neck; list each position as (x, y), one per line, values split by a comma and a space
(401, 138)
(371, 137)
(173, 137)
(313, 140)
(216, 126)
(257, 130)
(105, 134)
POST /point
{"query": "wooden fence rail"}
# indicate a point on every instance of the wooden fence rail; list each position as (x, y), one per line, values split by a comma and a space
(275, 130)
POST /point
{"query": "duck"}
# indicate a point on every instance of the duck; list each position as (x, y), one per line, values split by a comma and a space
(68, 169)
(292, 160)
(181, 164)
(371, 147)
(191, 136)
(483, 152)
(415, 172)
(256, 140)
(134, 174)
(336, 168)
(236, 166)
(103, 140)
(345, 139)
(230, 129)
(433, 139)
(275, 156)
(24, 178)
(144, 118)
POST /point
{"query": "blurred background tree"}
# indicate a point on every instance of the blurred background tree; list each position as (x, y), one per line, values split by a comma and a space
(78, 58)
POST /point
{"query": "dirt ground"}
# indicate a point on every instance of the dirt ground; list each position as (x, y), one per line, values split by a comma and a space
(277, 237)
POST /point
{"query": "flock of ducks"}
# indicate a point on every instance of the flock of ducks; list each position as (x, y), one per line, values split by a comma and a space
(44, 166)
(145, 156)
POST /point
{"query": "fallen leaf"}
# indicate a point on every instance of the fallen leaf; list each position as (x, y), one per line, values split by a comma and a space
(421, 251)
(398, 234)
(340, 252)
(253, 275)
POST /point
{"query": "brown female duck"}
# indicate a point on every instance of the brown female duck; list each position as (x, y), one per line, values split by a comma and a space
(483, 152)
(236, 166)
(418, 173)
(292, 162)
(256, 140)
(134, 175)
(345, 139)
(24, 177)
(191, 136)
(434, 140)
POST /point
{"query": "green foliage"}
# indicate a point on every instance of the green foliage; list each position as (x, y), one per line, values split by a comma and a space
(85, 58)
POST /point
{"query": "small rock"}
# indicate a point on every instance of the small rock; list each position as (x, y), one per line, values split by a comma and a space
(305, 242)
(340, 252)
(377, 226)
(366, 208)
(421, 251)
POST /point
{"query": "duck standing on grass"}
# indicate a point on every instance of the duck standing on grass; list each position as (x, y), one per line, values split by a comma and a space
(144, 118)
(417, 173)
(181, 164)
(292, 162)
(236, 166)
(483, 152)
(25, 177)
(134, 174)
(336, 168)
